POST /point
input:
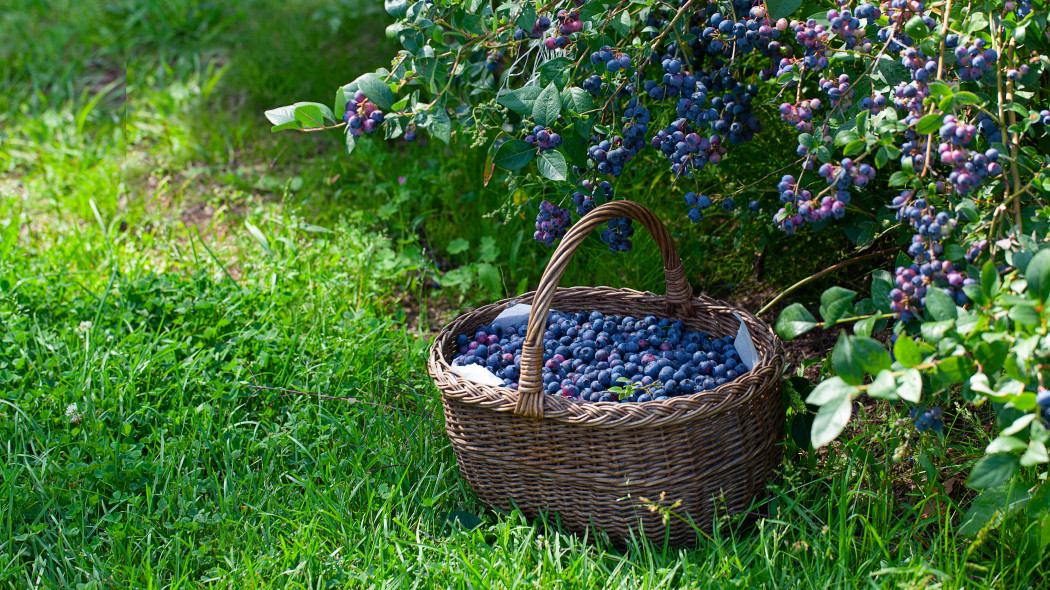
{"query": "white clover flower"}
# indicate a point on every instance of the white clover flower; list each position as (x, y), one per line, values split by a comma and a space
(73, 413)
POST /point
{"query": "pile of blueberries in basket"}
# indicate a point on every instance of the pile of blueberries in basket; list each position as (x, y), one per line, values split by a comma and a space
(598, 358)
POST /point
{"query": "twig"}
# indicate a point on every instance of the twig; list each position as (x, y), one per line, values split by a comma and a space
(812, 277)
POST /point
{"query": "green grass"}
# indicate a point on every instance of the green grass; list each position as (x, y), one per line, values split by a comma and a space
(186, 404)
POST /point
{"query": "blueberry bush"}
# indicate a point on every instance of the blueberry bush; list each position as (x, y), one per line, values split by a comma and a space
(919, 124)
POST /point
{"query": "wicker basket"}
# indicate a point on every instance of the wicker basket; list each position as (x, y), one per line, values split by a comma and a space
(592, 463)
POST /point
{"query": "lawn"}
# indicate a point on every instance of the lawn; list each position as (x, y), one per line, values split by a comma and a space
(213, 340)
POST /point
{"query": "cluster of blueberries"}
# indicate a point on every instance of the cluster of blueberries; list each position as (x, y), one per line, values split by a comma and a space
(932, 419)
(685, 149)
(492, 60)
(800, 115)
(838, 90)
(597, 358)
(538, 28)
(721, 34)
(617, 234)
(597, 195)
(610, 155)
(594, 84)
(975, 60)
(970, 167)
(606, 59)
(928, 270)
(551, 223)
(544, 138)
(898, 13)
(874, 104)
(568, 23)
(362, 115)
(1021, 8)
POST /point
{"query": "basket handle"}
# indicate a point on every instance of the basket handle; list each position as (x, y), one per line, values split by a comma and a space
(679, 293)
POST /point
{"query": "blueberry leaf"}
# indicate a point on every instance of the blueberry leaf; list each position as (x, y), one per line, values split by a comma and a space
(829, 390)
(830, 420)
(376, 90)
(994, 506)
(514, 154)
(781, 8)
(1038, 274)
(906, 351)
(440, 125)
(835, 303)
(928, 124)
(794, 321)
(521, 100)
(940, 304)
(552, 165)
(846, 362)
(993, 470)
(547, 108)
(909, 386)
(883, 387)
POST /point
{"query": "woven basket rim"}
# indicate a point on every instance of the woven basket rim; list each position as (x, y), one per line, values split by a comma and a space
(678, 409)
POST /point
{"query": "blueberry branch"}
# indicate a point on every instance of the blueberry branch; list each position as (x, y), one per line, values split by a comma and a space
(815, 276)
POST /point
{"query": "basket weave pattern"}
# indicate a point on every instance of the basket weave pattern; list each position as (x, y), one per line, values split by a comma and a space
(591, 463)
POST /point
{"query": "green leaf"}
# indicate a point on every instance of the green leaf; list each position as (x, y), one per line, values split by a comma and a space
(992, 507)
(527, 17)
(1024, 314)
(906, 351)
(1005, 444)
(396, 8)
(782, 8)
(301, 115)
(828, 390)
(259, 237)
(928, 124)
(621, 23)
(458, 245)
(992, 471)
(488, 275)
(909, 386)
(991, 354)
(830, 420)
(351, 141)
(835, 304)
(514, 154)
(547, 108)
(846, 362)
(577, 100)
(440, 126)
(916, 28)
(872, 355)
(933, 332)
(1038, 274)
(394, 126)
(1035, 454)
(376, 90)
(521, 100)
(864, 327)
(956, 368)
(990, 281)
(555, 71)
(794, 321)
(883, 387)
(552, 165)
(940, 304)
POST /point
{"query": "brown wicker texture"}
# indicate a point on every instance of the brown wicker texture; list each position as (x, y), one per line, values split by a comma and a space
(591, 463)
